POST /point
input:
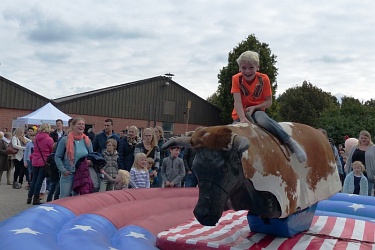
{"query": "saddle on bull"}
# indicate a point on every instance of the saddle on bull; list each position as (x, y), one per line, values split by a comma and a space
(243, 167)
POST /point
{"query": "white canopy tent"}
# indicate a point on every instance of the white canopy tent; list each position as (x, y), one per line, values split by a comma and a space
(46, 114)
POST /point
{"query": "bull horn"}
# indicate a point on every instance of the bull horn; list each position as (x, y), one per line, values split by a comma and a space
(177, 141)
(241, 143)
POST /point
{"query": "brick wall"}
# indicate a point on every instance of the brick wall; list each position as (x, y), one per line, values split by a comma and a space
(7, 116)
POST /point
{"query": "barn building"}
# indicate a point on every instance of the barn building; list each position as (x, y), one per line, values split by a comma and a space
(145, 103)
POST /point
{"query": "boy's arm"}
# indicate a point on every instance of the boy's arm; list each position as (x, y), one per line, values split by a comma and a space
(239, 109)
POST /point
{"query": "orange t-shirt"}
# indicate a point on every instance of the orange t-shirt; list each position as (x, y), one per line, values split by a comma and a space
(255, 94)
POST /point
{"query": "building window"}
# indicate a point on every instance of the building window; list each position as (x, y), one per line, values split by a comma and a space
(167, 127)
(169, 107)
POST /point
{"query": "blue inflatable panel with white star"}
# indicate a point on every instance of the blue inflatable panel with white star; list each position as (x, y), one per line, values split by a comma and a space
(348, 206)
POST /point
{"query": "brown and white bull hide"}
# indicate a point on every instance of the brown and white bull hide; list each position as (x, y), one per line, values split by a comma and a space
(272, 167)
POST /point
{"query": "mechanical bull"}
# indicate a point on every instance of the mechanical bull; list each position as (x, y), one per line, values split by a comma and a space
(243, 167)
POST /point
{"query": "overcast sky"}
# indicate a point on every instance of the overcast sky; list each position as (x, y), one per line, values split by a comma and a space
(59, 48)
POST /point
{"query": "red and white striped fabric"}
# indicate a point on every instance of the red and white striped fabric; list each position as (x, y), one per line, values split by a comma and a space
(233, 232)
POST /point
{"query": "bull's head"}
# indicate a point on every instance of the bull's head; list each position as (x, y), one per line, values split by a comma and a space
(218, 172)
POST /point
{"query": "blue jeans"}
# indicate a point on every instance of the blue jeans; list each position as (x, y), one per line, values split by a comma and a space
(370, 188)
(261, 118)
(66, 185)
(191, 180)
(36, 182)
(54, 191)
(30, 169)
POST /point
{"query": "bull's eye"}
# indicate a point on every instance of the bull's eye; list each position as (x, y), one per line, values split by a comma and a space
(224, 169)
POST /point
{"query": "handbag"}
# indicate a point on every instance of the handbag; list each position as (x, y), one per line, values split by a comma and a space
(47, 166)
(10, 150)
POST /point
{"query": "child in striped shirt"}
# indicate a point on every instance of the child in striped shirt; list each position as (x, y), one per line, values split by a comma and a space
(139, 177)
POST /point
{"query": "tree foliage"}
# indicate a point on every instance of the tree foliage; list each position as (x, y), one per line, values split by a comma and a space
(349, 119)
(310, 105)
(305, 104)
(223, 98)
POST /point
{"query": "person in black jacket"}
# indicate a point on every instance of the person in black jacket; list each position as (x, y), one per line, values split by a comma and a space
(126, 149)
(58, 132)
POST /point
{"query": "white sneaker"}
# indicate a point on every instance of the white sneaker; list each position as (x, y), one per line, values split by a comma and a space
(296, 148)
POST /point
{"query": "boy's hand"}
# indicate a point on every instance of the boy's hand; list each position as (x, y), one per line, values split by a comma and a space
(172, 184)
(167, 184)
(102, 171)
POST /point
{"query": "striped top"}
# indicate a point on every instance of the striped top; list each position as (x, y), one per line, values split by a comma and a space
(139, 178)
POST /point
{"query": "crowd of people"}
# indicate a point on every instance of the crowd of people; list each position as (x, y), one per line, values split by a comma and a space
(71, 162)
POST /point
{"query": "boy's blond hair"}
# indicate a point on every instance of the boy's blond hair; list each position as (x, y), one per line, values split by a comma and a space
(136, 159)
(360, 164)
(124, 176)
(248, 57)
(112, 141)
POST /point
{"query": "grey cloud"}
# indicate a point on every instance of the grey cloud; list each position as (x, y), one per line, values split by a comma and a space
(333, 59)
(39, 26)
(52, 57)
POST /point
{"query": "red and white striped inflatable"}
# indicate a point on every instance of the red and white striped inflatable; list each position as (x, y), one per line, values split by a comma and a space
(233, 232)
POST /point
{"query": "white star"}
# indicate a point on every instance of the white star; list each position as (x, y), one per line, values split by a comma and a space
(136, 235)
(356, 206)
(83, 228)
(25, 230)
(48, 209)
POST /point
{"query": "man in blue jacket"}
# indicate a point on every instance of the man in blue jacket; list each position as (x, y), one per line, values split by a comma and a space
(101, 138)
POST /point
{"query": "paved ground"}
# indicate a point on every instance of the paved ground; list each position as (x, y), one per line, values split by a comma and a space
(12, 201)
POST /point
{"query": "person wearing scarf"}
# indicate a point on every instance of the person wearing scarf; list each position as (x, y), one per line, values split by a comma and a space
(69, 150)
(126, 149)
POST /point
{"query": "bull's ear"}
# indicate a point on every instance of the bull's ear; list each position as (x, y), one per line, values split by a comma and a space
(241, 143)
(177, 141)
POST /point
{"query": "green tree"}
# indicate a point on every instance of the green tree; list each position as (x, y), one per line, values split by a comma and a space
(223, 98)
(348, 119)
(305, 104)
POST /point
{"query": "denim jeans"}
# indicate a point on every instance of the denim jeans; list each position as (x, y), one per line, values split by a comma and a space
(66, 185)
(270, 125)
(30, 169)
(37, 181)
(370, 188)
(54, 191)
(191, 180)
